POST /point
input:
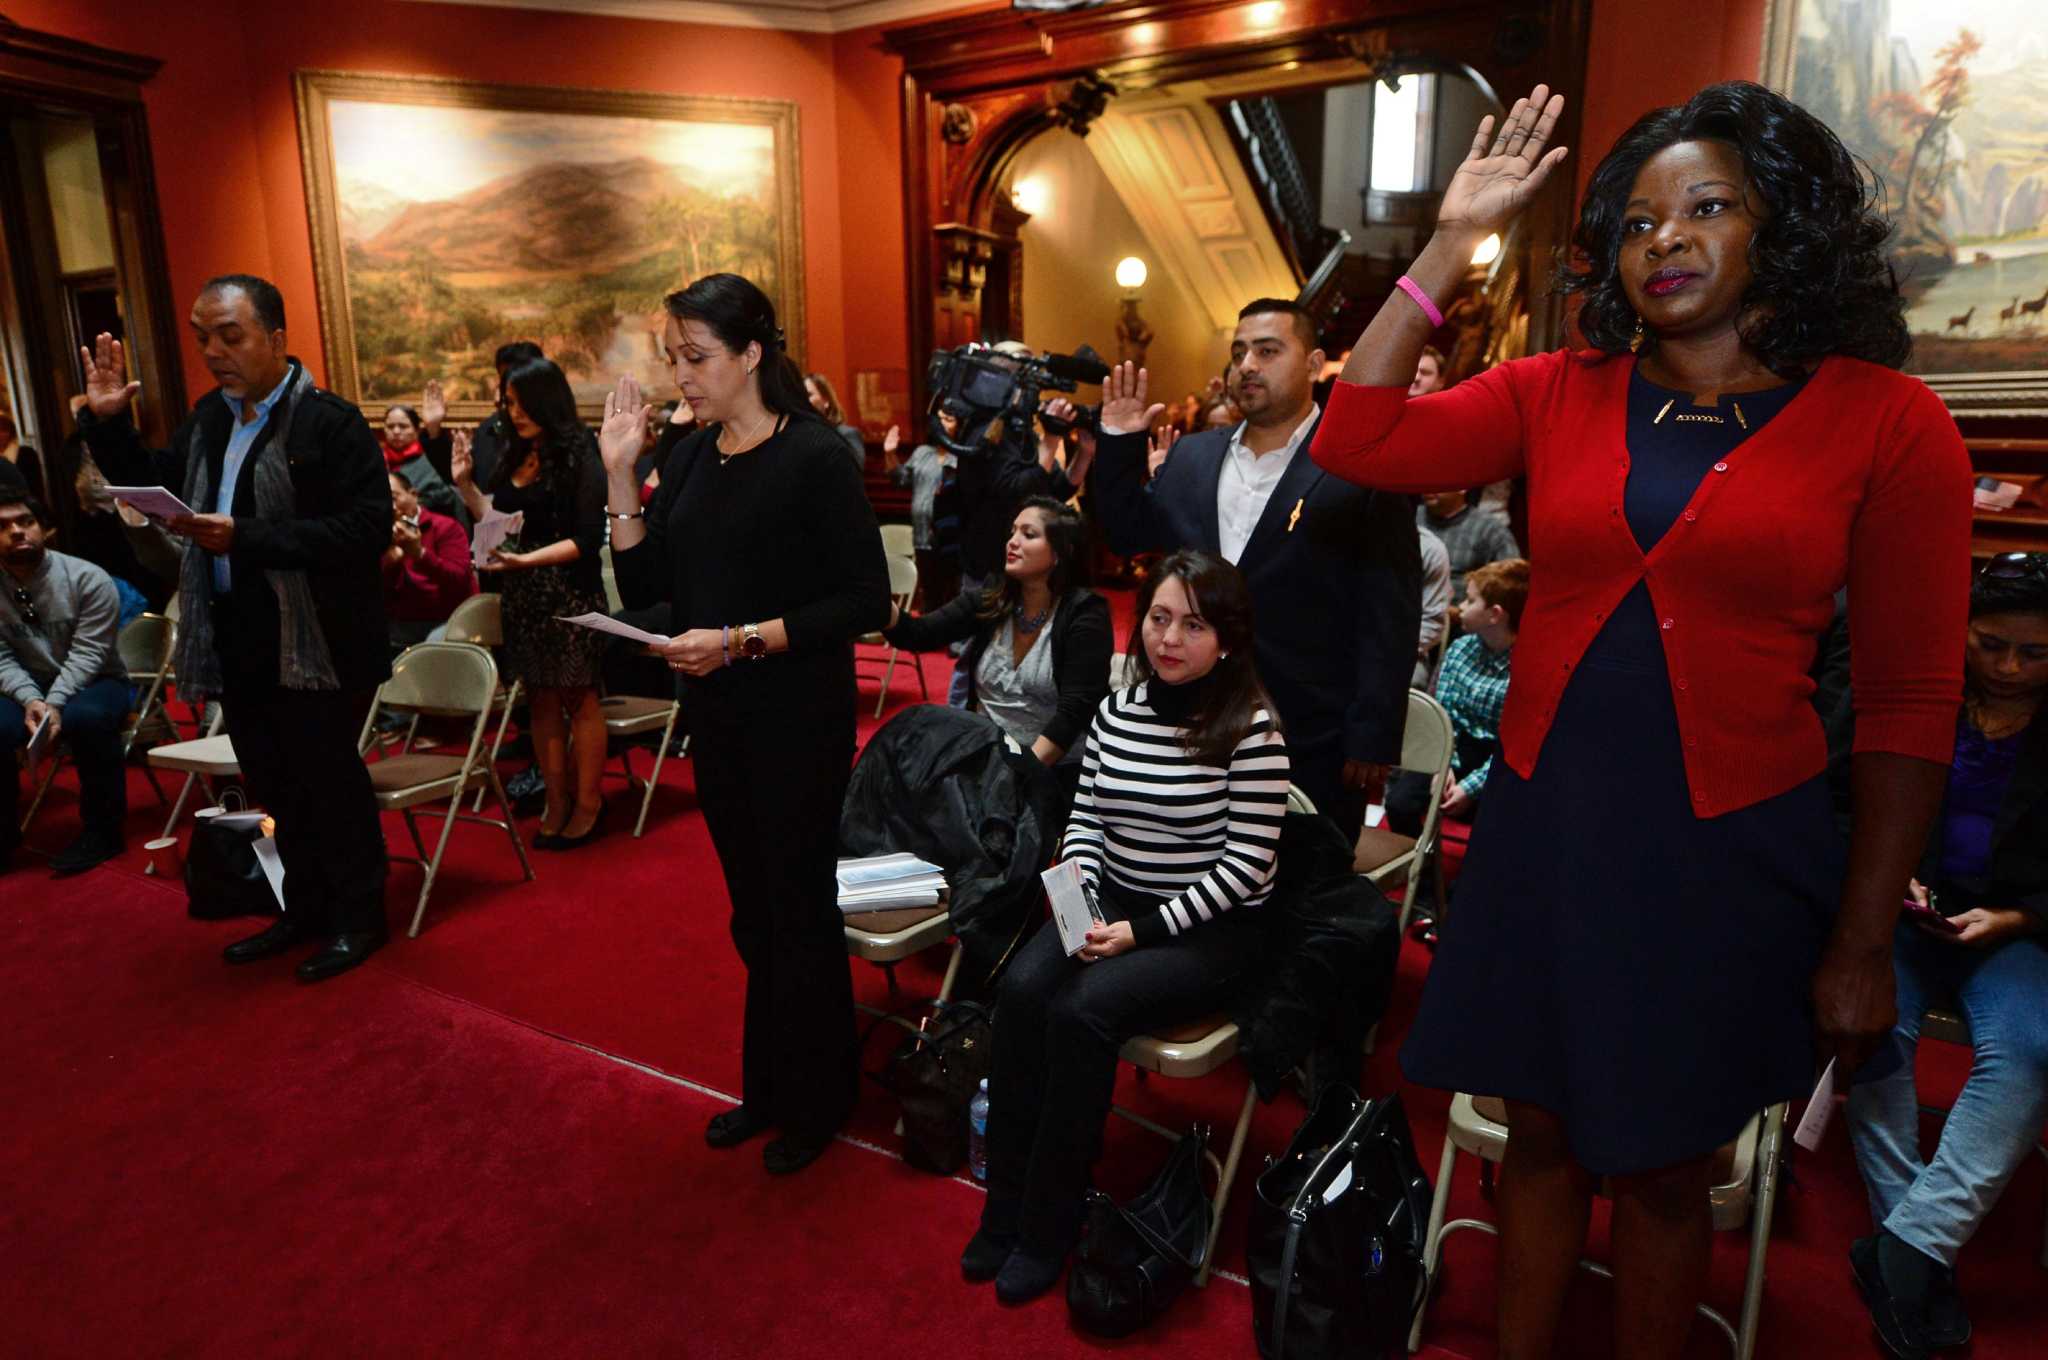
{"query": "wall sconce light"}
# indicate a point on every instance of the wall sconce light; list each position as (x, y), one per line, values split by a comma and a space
(1031, 196)
(1487, 252)
(1133, 336)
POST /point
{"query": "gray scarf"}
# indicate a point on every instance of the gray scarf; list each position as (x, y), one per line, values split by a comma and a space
(303, 658)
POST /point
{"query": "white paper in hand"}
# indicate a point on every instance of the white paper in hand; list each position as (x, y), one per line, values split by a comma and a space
(491, 532)
(153, 501)
(38, 744)
(1813, 1125)
(605, 623)
(1072, 912)
(273, 866)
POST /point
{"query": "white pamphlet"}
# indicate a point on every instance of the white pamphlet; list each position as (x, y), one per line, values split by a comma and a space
(605, 623)
(38, 743)
(154, 501)
(273, 866)
(1072, 912)
(1813, 1125)
(491, 532)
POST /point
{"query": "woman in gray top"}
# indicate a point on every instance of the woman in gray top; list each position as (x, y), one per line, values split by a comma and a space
(1038, 644)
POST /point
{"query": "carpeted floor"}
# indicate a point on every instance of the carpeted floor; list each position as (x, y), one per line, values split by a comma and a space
(488, 1140)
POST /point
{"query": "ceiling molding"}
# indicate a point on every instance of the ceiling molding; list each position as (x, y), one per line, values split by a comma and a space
(794, 16)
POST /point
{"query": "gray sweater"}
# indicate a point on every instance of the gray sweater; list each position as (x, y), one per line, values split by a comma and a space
(78, 616)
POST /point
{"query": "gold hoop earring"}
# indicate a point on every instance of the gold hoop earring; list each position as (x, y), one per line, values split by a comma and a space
(1635, 343)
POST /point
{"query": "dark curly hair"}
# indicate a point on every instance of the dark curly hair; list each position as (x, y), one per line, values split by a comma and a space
(1822, 284)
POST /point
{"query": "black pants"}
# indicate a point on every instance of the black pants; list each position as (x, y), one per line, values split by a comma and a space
(1408, 790)
(297, 750)
(1058, 1026)
(771, 794)
(92, 723)
(1319, 772)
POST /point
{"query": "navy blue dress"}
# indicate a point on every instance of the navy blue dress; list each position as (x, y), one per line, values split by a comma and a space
(1639, 971)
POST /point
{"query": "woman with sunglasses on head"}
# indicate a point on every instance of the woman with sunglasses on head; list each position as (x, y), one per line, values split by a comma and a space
(761, 557)
(1982, 950)
(550, 473)
(1658, 918)
(1176, 830)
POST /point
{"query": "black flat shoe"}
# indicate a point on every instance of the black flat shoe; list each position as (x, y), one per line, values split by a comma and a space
(735, 1126)
(793, 1152)
(346, 952)
(92, 848)
(566, 842)
(1898, 1307)
(282, 935)
(985, 1255)
(1025, 1276)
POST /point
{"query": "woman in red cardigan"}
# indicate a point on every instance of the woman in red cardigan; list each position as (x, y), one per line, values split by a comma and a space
(1658, 920)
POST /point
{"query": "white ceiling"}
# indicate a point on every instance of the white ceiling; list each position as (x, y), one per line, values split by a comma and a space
(802, 16)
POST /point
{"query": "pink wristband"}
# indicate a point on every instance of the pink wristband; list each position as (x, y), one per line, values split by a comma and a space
(1414, 290)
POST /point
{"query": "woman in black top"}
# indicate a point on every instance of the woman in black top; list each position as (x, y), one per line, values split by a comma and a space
(1043, 699)
(762, 549)
(551, 474)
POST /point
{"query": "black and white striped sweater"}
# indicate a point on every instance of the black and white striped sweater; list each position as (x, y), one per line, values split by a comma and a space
(1205, 837)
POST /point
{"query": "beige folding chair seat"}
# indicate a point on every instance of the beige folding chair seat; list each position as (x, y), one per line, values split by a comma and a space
(1744, 1191)
(902, 590)
(441, 680)
(202, 761)
(886, 938)
(631, 716)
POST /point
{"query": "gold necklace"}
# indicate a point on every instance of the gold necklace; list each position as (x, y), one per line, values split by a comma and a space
(1698, 417)
(746, 440)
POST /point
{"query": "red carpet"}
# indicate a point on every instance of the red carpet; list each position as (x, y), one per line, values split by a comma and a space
(213, 1161)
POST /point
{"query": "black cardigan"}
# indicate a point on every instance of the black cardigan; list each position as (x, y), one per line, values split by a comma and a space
(1080, 652)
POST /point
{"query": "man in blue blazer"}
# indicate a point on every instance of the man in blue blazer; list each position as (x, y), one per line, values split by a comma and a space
(1335, 570)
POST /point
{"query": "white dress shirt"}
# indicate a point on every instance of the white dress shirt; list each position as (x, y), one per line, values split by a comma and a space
(1247, 484)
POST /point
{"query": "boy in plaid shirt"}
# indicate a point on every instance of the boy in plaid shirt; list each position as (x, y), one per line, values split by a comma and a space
(1472, 687)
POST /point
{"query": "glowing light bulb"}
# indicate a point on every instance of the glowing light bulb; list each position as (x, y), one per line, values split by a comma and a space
(1488, 251)
(1130, 272)
(1031, 196)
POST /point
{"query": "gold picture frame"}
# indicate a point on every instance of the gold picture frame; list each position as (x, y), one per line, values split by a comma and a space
(1941, 108)
(562, 216)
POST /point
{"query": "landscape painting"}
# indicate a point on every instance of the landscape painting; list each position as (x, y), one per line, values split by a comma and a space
(1947, 101)
(450, 217)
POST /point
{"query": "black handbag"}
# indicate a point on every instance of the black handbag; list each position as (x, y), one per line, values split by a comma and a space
(1337, 1229)
(933, 1076)
(222, 877)
(1135, 1259)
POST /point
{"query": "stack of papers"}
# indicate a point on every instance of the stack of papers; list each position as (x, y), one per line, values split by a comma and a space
(491, 532)
(884, 882)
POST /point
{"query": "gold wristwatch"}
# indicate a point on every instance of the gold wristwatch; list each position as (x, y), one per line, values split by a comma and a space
(752, 645)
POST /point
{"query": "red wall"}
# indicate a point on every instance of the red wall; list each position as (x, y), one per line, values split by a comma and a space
(225, 130)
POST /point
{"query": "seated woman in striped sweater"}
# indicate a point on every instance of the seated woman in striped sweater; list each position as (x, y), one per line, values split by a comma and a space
(1176, 829)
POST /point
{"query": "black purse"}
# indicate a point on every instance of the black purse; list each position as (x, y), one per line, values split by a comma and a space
(1337, 1228)
(1135, 1259)
(933, 1076)
(222, 876)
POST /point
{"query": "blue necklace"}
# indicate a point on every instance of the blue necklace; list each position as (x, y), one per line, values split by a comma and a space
(1028, 623)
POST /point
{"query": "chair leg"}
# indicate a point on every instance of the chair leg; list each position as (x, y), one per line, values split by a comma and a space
(498, 738)
(149, 773)
(1769, 1149)
(1432, 1240)
(505, 805)
(952, 974)
(924, 686)
(171, 823)
(1229, 1174)
(660, 754)
(418, 845)
(433, 865)
(888, 674)
(42, 788)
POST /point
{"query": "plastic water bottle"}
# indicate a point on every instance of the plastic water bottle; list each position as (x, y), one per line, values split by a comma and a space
(977, 1132)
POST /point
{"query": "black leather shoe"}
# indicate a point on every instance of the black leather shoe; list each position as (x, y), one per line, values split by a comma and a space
(793, 1152)
(568, 842)
(1895, 1288)
(92, 848)
(1026, 1275)
(985, 1255)
(735, 1126)
(344, 953)
(284, 932)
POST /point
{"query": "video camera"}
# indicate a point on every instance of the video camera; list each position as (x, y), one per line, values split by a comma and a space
(979, 384)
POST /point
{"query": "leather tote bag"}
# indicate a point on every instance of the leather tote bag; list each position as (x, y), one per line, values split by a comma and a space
(222, 877)
(1337, 1228)
(1135, 1259)
(933, 1076)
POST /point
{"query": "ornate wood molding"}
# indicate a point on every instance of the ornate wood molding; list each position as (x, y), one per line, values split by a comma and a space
(67, 64)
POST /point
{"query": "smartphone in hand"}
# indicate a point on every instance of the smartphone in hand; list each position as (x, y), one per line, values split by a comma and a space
(1928, 916)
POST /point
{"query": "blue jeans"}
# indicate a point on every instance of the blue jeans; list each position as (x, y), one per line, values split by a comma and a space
(93, 720)
(1937, 1206)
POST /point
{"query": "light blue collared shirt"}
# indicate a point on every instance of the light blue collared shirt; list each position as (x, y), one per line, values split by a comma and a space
(241, 438)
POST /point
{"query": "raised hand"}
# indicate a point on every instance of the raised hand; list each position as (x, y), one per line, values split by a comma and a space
(461, 464)
(1505, 167)
(433, 407)
(107, 389)
(1124, 400)
(892, 440)
(624, 432)
(1163, 440)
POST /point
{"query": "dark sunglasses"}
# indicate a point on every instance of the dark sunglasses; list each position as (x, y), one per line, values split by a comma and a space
(2014, 566)
(27, 607)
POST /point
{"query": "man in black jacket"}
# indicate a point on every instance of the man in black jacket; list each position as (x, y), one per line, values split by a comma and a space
(282, 610)
(1335, 570)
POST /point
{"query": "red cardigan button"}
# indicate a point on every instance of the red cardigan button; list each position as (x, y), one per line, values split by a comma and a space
(1720, 467)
